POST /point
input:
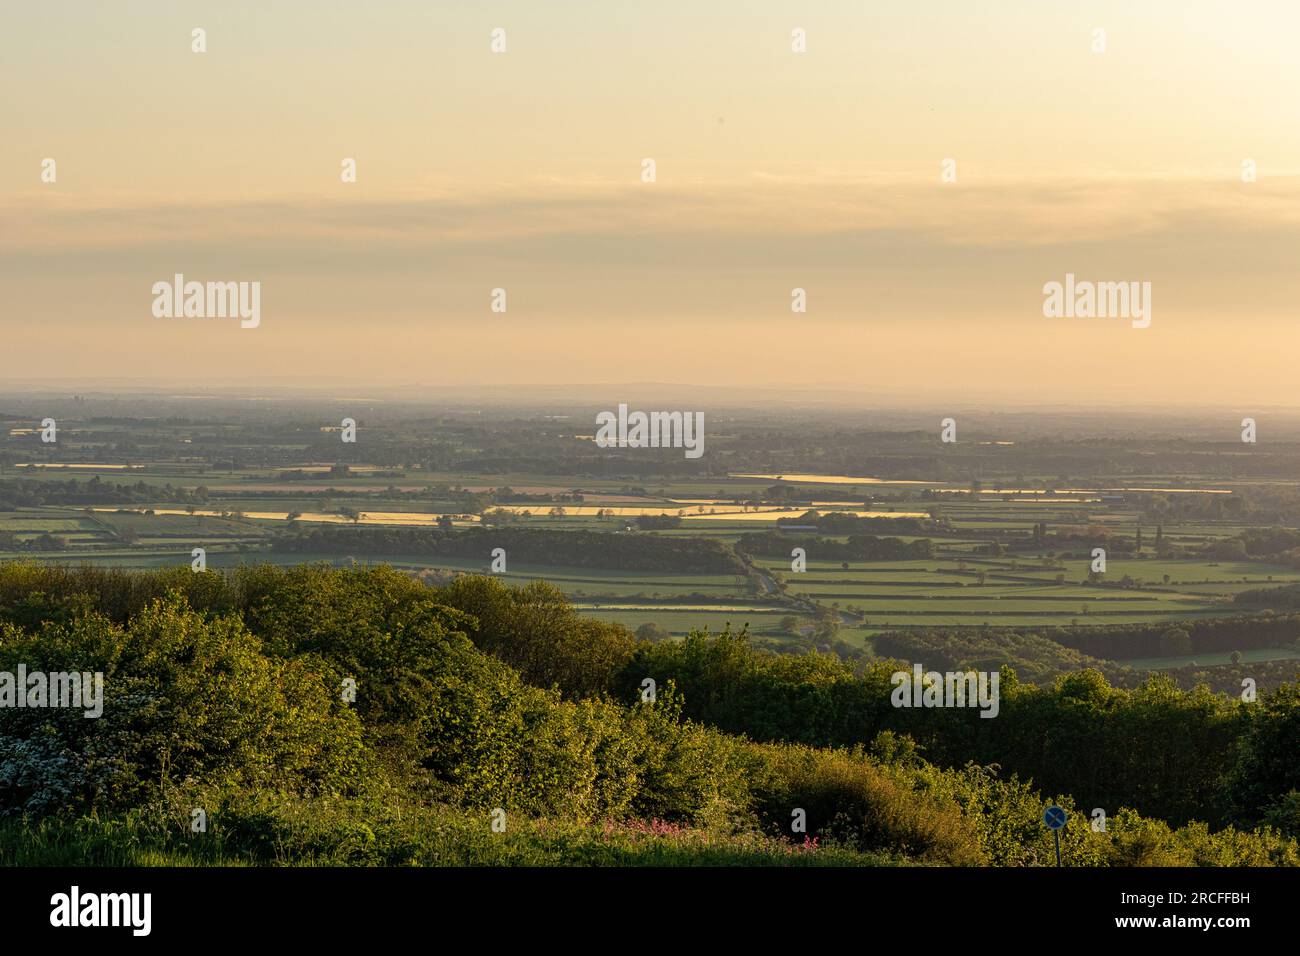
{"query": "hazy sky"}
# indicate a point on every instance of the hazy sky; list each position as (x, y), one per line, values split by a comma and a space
(775, 170)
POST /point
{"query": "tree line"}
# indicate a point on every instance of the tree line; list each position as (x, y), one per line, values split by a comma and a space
(578, 549)
(858, 547)
(222, 691)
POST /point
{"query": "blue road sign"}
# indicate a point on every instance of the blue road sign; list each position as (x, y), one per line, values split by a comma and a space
(1053, 818)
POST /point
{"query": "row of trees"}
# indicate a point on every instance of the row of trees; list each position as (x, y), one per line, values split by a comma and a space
(1164, 751)
(858, 547)
(10, 541)
(26, 493)
(579, 549)
(1221, 635)
(223, 692)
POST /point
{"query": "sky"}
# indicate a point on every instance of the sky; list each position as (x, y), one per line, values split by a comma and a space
(774, 170)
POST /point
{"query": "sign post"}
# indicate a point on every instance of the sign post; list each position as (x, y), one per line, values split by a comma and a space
(1054, 820)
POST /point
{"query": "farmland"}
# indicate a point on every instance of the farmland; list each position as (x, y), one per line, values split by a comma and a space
(1011, 548)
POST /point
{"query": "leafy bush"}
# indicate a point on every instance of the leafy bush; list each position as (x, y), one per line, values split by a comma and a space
(228, 693)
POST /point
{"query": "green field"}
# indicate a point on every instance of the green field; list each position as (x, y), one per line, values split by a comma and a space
(963, 583)
(1254, 656)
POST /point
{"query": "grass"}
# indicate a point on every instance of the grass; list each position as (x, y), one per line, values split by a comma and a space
(334, 833)
(1256, 655)
(1019, 591)
(943, 590)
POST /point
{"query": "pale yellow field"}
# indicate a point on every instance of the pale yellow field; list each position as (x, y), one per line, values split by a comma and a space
(27, 464)
(367, 517)
(851, 480)
(837, 480)
(725, 512)
(777, 514)
(1056, 493)
(731, 512)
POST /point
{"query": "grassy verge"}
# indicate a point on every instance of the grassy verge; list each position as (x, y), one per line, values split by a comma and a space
(332, 834)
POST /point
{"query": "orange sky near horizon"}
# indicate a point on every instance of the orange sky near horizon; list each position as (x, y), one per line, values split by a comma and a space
(775, 170)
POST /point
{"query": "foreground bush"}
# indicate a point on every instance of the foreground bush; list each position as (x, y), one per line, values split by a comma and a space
(232, 694)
